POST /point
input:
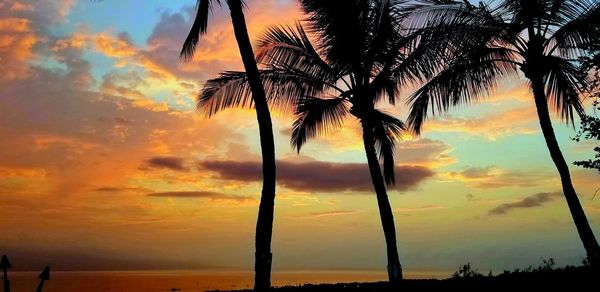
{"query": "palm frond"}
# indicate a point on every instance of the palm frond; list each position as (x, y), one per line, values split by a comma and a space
(582, 29)
(284, 90)
(341, 33)
(199, 28)
(383, 29)
(230, 89)
(385, 82)
(387, 130)
(428, 14)
(289, 48)
(317, 116)
(471, 75)
(422, 57)
(564, 86)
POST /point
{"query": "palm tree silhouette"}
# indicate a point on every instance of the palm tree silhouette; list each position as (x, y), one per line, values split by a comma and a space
(264, 224)
(361, 57)
(539, 40)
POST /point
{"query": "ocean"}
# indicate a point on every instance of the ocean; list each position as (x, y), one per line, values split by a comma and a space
(155, 281)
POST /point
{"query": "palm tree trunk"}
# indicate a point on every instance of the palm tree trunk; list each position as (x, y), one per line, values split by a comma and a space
(583, 227)
(385, 210)
(264, 224)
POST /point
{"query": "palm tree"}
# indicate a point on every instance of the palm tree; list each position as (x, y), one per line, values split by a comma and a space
(264, 224)
(361, 57)
(539, 40)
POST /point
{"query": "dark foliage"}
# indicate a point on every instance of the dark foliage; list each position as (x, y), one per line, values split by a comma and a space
(361, 57)
(546, 277)
(357, 57)
(590, 124)
(539, 41)
(590, 130)
(491, 42)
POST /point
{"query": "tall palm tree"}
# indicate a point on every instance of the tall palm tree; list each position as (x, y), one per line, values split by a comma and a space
(361, 57)
(264, 224)
(538, 40)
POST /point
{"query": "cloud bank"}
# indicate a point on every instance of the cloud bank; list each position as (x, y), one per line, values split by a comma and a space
(316, 176)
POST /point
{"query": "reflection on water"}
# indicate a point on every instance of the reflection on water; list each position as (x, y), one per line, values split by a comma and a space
(147, 281)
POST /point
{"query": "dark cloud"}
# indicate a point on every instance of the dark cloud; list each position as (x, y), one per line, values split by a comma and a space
(166, 162)
(122, 121)
(532, 201)
(421, 208)
(121, 190)
(201, 195)
(331, 213)
(317, 175)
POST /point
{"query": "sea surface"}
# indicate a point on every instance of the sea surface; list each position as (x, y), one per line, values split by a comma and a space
(154, 281)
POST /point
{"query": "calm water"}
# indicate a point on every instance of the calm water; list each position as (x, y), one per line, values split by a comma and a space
(146, 281)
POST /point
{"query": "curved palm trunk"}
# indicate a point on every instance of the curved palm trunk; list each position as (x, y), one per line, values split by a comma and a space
(385, 210)
(583, 227)
(264, 224)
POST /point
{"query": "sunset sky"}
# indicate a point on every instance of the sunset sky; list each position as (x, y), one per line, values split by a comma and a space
(104, 163)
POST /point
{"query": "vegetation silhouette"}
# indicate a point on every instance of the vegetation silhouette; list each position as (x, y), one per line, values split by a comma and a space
(5, 265)
(539, 39)
(361, 56)
(44, 276)
(545, 277)
(590, 130)
(264, 224)
(590, 123)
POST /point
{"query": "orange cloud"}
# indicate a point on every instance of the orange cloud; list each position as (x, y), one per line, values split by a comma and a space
(44, 142)
(113, 47)
(16, 43)
(489, 177)
(127, 54)
(20, 7)
(515, 91)
(20, 25)
(514, 121)
(425, 152)
(6, 172)
(76, 41)
(15, 25)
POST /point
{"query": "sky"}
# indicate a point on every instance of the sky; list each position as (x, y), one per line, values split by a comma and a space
(104, 163)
